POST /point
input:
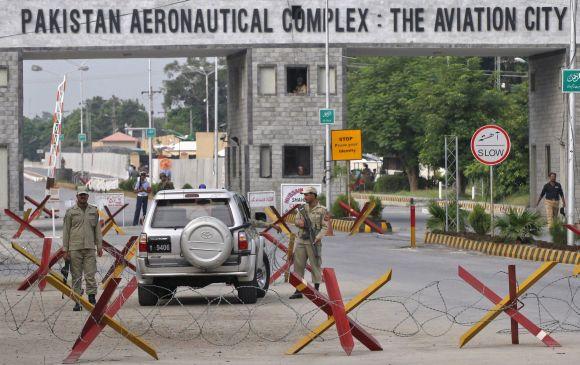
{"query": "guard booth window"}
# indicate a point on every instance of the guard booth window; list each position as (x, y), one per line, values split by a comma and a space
(297, 161)
(265, 161)
(297, 80)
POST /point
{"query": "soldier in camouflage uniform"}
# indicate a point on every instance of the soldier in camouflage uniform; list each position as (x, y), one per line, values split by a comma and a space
(81, 235)
(306, 249)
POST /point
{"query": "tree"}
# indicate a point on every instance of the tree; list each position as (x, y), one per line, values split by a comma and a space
(456, 100)
(99, 114)
(512, 175)
(185, 91)
(379, 102)
(405, 107)
(36, 133)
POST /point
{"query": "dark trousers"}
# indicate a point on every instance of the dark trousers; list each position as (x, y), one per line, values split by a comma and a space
(141, 202)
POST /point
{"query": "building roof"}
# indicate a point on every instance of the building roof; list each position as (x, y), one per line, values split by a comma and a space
(119, 137)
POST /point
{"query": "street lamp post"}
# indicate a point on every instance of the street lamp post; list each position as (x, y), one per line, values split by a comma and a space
(571, 186)
(82, 69)
(215, 127)
(327, 129)
(206, 74)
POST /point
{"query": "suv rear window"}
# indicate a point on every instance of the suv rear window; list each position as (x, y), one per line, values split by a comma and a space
(176, 213)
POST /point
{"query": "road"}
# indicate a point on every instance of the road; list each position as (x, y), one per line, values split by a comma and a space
(418, 317)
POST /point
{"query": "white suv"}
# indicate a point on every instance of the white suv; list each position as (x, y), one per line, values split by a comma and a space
(199, 237)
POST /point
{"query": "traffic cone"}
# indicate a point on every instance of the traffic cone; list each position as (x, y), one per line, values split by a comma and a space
(329, 231)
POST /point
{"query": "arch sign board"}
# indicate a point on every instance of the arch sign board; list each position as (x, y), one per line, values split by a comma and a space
(490, 145)
(534, 26)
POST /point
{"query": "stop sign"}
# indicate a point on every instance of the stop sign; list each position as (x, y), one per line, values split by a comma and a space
(490, 145)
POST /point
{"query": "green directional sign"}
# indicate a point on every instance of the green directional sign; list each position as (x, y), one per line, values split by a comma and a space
(571, 81)
(61, 137)
(82, 137)
(326, 116)
(150, 132)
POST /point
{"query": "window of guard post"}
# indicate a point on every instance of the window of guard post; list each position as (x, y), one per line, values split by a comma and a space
(297, 161)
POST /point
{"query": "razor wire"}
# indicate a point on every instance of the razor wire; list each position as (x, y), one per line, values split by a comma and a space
(221, 320)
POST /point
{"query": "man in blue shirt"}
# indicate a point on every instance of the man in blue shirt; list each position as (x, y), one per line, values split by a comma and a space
(142, 189)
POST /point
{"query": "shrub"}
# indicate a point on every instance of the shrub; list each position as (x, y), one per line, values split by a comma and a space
(322, 199)
(436, 221)
(391, 183)
(514, 226)
(128, 185)
(336, 209)
(155, 188)
(186, 186)
(558, 232)
(377, 212)
(479, 220)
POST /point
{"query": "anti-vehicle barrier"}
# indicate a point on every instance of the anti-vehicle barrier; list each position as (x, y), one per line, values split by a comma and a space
(345, 225)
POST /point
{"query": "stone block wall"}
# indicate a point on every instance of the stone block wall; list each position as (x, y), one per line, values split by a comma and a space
(548, 124)
(11, 127)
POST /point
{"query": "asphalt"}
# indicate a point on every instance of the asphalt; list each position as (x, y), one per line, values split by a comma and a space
(417, 317)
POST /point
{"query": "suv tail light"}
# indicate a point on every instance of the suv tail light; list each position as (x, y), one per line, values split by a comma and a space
(143, 243)
(242, 241)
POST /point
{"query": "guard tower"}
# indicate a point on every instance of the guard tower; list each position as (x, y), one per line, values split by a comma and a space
(274, 97)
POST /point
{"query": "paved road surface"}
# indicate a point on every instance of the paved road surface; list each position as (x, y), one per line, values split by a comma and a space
(418, 317)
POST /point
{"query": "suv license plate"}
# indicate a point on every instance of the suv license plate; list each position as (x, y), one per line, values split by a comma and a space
(160, 245)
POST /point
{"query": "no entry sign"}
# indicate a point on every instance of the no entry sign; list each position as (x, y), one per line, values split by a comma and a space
(490, 145)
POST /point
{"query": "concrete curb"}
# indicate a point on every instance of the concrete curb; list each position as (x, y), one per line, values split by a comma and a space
(345, 225)
(465, 204)
(522, 252)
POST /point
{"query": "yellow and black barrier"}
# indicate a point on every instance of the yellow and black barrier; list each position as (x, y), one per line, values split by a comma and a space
(345, 225)
(517, 251)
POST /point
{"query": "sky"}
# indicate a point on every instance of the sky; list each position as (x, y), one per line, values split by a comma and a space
(124, 78)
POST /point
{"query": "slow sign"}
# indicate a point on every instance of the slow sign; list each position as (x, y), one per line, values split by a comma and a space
(490, 145)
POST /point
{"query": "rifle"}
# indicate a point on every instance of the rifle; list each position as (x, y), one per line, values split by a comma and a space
(65, 270)
(309, 230)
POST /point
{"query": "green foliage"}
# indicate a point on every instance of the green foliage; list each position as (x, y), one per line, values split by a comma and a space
(479, 220)
(405, 106)
(514, 226)
(391, 183)
(155, 188)
(322, 199)
(337, 211)
(128, 185)
(36, 134)
(377, 211)
(185, 92)
(99, 116)
(187, 186)
(558, 232)
(436, 220)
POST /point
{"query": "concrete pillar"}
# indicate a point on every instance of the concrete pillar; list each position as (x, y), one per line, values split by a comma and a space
(547, 123)
(11, 130)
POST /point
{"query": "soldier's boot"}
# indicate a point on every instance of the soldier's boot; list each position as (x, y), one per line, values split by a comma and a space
(77, 308)
(296, 295)
(92, 299)
(316, 286)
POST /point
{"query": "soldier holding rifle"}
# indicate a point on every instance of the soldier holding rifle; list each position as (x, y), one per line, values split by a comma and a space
(311, 220)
